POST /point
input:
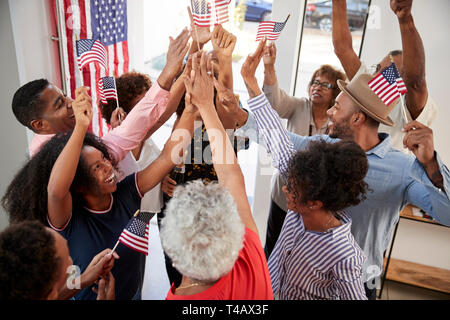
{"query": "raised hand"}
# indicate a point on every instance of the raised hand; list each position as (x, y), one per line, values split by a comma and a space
(401, 8)
(249, 67)
(82, 107)
(226, 97)
(419, 140)
(100, 265)
(199, 84)
(201, 35)
(270, 54)
(223, 42)
(117, 116)
(178, 48)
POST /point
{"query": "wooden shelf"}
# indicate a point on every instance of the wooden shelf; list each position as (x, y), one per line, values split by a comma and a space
(419, 275)
(407, 214)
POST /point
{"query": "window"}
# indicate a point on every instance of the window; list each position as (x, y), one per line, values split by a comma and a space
(317, 46)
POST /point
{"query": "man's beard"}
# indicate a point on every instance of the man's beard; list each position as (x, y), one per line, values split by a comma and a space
(342, 131)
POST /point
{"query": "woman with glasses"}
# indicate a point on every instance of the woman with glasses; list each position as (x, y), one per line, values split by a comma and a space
(305, 116)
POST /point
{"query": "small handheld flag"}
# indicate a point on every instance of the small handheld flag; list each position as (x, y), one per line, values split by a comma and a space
(201, 13)
(209, 12)
(135, 234)
(89, 50)
(270, 29)
(107, 88)
(220, 8)
(388, 85)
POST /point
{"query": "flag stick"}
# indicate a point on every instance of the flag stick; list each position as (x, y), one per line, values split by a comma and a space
(117, 100)
(196, 33)
(117, 243)
(289, 15)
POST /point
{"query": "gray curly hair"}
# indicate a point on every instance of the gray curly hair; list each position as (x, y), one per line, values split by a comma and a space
(202, 231)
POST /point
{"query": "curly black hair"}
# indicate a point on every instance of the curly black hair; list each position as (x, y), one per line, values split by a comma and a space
(332, 173)
(29, 263)
(129, 86)
(26, 196)
(25, 103)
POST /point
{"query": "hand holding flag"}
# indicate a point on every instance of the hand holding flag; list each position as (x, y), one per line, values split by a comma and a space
(270, 29)
(135, 234)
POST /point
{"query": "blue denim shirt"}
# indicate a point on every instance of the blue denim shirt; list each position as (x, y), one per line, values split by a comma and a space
(395, 179)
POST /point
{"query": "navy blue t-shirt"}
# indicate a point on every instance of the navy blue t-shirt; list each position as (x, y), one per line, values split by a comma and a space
(90, 232)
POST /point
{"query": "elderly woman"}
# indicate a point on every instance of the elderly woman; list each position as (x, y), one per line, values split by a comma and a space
(305, 116)
(209, 232)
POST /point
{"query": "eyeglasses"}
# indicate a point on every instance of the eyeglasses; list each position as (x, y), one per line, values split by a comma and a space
(375, 68)
(324, 85)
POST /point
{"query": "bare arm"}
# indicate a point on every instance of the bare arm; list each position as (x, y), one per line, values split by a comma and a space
(413, 58)
(170, 155)
(342, 39)
(223, 44)
(200, 87)
(65, 167)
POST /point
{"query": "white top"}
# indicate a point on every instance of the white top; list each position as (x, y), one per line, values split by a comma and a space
(152, 200)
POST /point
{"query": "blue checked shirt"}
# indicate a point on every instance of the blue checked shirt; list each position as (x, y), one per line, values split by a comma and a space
(394, 178)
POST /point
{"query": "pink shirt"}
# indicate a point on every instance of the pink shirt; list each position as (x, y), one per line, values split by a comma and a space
(133, 129)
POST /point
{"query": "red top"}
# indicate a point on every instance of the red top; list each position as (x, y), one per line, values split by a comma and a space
(248, 280)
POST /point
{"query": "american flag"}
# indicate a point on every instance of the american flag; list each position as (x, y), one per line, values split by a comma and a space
(89, 51)
(221, 11)
(270, 29)
(107, 88)
(201, 13)
(209, 12)
(102, 20)
(135, 234)
(388, 85)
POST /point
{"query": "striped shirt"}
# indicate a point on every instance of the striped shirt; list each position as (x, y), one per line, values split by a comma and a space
(306, 264)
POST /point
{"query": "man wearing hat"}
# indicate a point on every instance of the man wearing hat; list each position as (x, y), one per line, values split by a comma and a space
(394, 178)
(416, 104)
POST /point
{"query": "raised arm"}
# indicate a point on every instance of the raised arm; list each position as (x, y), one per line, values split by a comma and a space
(65, 167)
(282, 103)
(413, 58)
(430, 178)
(342, 39)
(200, 92)
(223, 44)
(171, 154)
(146, 113)
(274, 135)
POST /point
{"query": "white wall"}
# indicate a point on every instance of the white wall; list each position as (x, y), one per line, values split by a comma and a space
(13, 137)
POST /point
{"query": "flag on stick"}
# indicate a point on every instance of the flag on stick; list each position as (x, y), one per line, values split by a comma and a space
(107, 89)
(388, 85)
(89, 50)
(135, 234)
(220, 8)
(201, 13)
(270, 29)
(209, 12)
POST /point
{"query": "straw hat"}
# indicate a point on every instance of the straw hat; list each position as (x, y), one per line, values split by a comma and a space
(358, 89)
